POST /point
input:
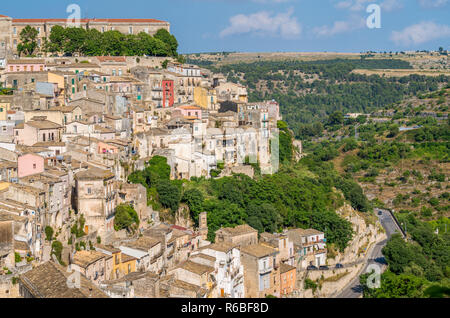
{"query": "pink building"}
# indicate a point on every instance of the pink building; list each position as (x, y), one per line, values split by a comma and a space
(36, 131)
(190, 111)
(26, 65)
(104, 148)
(29, 164)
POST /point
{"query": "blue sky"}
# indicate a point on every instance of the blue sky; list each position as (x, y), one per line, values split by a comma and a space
(272, 25)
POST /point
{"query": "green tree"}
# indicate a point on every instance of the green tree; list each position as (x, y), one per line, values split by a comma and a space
(169, 39)
(336, 119)
(169, 194)
(395, 286)
(57, 248)
(55, 42)
(49, 233)
(126, 218)
(74, 40)
(194, 199)
(28, 38)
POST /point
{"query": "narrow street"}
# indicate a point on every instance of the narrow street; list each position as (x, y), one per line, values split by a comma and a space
(354, 289)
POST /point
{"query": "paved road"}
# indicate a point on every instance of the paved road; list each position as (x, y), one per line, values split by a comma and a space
(354, 289)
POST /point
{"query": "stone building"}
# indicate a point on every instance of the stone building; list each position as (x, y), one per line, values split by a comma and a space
(10, 28)
(96, 199)
(6, 244)
(241, 235)
(50, 280)
(261, 271)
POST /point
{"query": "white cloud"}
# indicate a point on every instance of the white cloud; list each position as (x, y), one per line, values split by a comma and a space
(391, 5)
(361, 5)
(264, 23)
(420, 33)
(433, 3)
(340, 27)
(353, 5)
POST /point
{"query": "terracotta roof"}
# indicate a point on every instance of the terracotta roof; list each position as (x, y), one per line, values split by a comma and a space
(107, 248)
(86, 258)
(196, 268)
(127, 258)
(94, 174)
(43, 124)
(239, 230)
(111, 58)
(204, 256)
(307, 232)
(258, 250)
(49, 280)
(144, 243)
(284, 268)
(190, 107)
(220, 247)
(26, 61)
(49, 144)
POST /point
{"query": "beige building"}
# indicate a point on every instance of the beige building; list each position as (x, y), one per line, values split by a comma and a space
(261, 271)
(96, 266)
(241, 235)
(10, 28)
(96, 199)
(50, 280)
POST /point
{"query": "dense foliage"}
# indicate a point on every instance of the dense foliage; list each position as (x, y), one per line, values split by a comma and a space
(419, 268)
(126, 218)
(91, 42)
(28, 41)
(310, 91)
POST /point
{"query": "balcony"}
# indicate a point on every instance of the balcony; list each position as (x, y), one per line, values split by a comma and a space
(265, 270)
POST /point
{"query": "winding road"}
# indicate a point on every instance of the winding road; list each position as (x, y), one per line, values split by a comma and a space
(354, 289)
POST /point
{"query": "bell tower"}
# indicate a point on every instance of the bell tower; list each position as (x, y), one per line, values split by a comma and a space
(203, 225)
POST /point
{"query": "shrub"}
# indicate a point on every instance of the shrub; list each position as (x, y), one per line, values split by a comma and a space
(49, 233)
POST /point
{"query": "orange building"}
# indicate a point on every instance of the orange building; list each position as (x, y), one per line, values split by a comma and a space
(287, 278)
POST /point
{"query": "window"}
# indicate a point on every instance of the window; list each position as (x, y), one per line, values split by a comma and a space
(129, 268)
(14, 30)
(1, 109)
(41, 68)
(89, 190)
(39, 30)
(34, 166)
(130, 30)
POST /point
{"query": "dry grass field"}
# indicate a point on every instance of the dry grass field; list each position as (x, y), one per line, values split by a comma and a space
(401, 73)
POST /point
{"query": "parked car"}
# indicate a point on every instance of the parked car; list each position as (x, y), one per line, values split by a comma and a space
(339, 265)
(380, 212)
(311, 268)
(324, 268)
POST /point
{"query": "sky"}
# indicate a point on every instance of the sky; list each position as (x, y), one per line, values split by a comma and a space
(273, 25)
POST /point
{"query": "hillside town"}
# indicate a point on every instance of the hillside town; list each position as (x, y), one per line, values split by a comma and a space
(72, 131)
